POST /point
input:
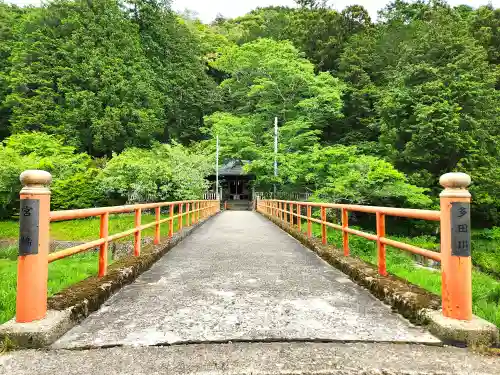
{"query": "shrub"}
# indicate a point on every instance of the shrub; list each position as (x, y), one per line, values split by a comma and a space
(74, 179)
(166, 172)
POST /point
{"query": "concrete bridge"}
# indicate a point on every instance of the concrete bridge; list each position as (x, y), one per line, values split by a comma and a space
(242, 296)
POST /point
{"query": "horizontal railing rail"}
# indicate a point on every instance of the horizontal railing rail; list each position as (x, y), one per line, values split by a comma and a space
(35, 219)
(292, 209)
(93, 212)
(194, 211)
(454, 218)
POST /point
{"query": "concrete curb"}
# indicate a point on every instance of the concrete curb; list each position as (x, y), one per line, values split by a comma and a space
(414, 303)
(73, 304)
(476, 333)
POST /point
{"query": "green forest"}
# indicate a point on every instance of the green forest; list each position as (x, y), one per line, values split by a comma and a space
(121, 101)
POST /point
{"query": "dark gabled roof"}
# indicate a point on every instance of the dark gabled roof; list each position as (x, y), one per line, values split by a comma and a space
(233, 168)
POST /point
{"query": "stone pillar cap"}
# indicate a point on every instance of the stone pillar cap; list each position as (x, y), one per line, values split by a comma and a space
(35, 178)
(456, 180)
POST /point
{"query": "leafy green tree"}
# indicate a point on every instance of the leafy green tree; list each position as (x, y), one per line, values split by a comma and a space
(238, 135)
(79, 71)
(9, 16)
(441, 107)
(74, 176)
(270, 78)
(485, 26)
(404, 12)
(341, 174)
(163, 173)
(312, 4)
(318, 31)
(175, 55)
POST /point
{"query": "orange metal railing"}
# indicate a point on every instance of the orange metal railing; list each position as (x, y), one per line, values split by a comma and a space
(196, 210)
(34, 257)
(456, 269)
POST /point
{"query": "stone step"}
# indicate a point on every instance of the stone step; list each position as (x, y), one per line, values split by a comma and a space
(239, 205)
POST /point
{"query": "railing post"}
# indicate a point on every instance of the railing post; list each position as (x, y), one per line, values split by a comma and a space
(103, 250)
(456, 267)
(345, 235)
(32, 263)
(324, 239)
(137, 237)
(290, 205)
(157, 227)
(171, 222)
(299, 219)
(180, 217)
(382, 270)
(309, 223)
(198, 211)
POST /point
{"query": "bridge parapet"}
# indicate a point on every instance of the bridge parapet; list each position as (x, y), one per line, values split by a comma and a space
(454, 218)
(35, 219)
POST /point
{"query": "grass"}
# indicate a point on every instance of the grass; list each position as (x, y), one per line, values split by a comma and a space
(485, 288)
(486, 250)
(62, 274)
(67, 271)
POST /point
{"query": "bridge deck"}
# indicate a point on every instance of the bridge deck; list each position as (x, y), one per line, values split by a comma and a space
(241, 278)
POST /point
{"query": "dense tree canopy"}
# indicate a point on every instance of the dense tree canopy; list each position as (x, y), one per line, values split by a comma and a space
(102, 78)
(186, 93)
(270, 79)
(318, 31)
(129, 95)
(78, 71)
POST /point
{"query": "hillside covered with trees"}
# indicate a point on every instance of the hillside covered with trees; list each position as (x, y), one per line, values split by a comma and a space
(121, 100)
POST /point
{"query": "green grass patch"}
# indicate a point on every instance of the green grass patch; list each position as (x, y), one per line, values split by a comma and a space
(62, 274)
(486, 250)
(485, 288)
(9, 229)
